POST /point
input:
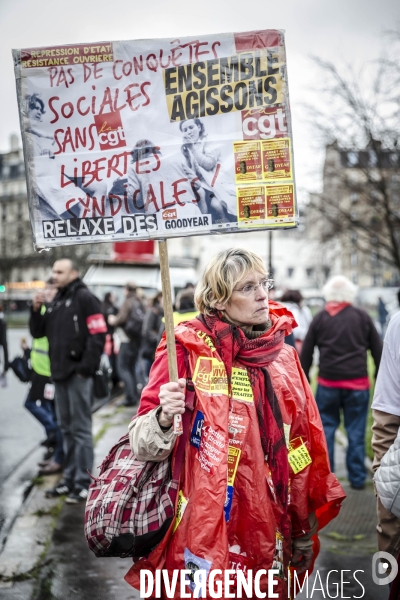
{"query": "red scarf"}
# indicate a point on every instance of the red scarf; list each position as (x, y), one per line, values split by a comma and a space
(333, 308)
(256, 354)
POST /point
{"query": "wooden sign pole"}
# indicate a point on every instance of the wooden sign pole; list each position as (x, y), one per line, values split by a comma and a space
(169, 323)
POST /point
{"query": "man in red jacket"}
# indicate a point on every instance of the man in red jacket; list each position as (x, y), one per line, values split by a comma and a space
(343, 334)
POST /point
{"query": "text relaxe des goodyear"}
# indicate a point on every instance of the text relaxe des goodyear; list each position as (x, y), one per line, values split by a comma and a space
(223, 85)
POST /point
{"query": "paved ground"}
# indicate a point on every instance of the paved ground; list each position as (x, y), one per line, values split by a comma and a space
(347, 545)
(47, 556)
(19, 441)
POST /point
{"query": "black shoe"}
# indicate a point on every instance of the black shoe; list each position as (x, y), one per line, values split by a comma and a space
(61, 489)
(77, 497)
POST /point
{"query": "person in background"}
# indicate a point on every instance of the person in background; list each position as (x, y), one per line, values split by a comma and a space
(386, 423)
(185, 307)
(151, 332)
(128, 323)
(108, 307)
(3, 341)
(293, 300)
(189, 287)
(382, 316)
(343, 334)
(40, 399)
(76, 330)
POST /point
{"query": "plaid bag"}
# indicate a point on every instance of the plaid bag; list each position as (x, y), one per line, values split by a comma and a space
(131, 504)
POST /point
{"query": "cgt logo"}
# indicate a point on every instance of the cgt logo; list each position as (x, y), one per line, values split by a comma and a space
(169, 214)
(110, 131)
(264, 123)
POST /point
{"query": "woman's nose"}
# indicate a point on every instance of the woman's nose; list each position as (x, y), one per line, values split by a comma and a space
(261, 293)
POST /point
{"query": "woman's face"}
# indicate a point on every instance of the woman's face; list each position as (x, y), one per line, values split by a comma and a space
(247, 309)
(191, 131)
(36, 113)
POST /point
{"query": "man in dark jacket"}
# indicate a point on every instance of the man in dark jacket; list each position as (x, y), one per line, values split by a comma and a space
(343, 334)
(76, 330)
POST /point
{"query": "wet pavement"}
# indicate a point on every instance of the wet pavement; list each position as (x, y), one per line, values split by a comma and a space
(347, 546)
(54, 563)
(20, 437)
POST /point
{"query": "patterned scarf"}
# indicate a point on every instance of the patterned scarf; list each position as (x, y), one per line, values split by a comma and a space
(256, 354)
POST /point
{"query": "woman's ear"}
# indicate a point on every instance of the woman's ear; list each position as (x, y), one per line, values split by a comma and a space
(220, 305)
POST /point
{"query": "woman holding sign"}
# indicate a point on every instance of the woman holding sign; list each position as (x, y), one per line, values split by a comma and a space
(255, 485)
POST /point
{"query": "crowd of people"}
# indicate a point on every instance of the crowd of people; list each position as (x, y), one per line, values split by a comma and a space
(249, 334)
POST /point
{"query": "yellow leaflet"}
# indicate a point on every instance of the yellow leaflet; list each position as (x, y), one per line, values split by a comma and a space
(299, 457)
(210, 376)
(241, 386)
(180, 509)
(233, 461)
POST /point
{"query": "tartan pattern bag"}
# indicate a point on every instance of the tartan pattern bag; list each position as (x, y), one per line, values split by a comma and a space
(131, 504)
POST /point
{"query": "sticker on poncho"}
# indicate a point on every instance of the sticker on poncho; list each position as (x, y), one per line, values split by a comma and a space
(241, 386)
(228, 502)
(210, 376)
(180, 509)
(277, 563)
(237, 429)
(233, 461)
(206, 339)
(238, 562)
(195, 436)
(299, 457)
(194, 563)
(286, 431)
(270, 482)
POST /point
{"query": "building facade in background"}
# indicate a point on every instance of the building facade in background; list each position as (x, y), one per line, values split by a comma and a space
(356, 218)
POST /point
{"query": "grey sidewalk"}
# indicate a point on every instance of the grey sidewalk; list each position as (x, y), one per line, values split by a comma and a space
(347, 544)
(46, 556)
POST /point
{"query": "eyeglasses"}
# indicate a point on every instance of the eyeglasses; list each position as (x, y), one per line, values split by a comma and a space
(251, 288)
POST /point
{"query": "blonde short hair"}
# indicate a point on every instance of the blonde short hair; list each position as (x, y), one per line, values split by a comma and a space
(222, 274)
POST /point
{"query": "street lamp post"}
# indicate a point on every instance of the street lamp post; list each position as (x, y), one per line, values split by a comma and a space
(270, 267)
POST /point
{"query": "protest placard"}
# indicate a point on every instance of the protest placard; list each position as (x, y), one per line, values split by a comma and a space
(159, 138)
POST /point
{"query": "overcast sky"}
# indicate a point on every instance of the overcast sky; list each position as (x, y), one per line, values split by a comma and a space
(340, 30)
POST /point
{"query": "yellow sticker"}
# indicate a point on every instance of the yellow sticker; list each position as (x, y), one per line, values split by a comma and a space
(233, 461)
(206, 339)
(299, 457)
(210, 376)
(180, 509)
(241, 386)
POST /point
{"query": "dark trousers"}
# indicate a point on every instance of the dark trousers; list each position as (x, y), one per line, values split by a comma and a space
(73, 404)
(354, 404)
(44, 411)
(127, 357)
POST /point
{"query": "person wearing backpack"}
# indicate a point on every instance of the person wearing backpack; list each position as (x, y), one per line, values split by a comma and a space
(128, 324)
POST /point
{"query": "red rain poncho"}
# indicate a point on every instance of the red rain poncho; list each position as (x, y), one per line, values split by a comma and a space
(239, 502)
